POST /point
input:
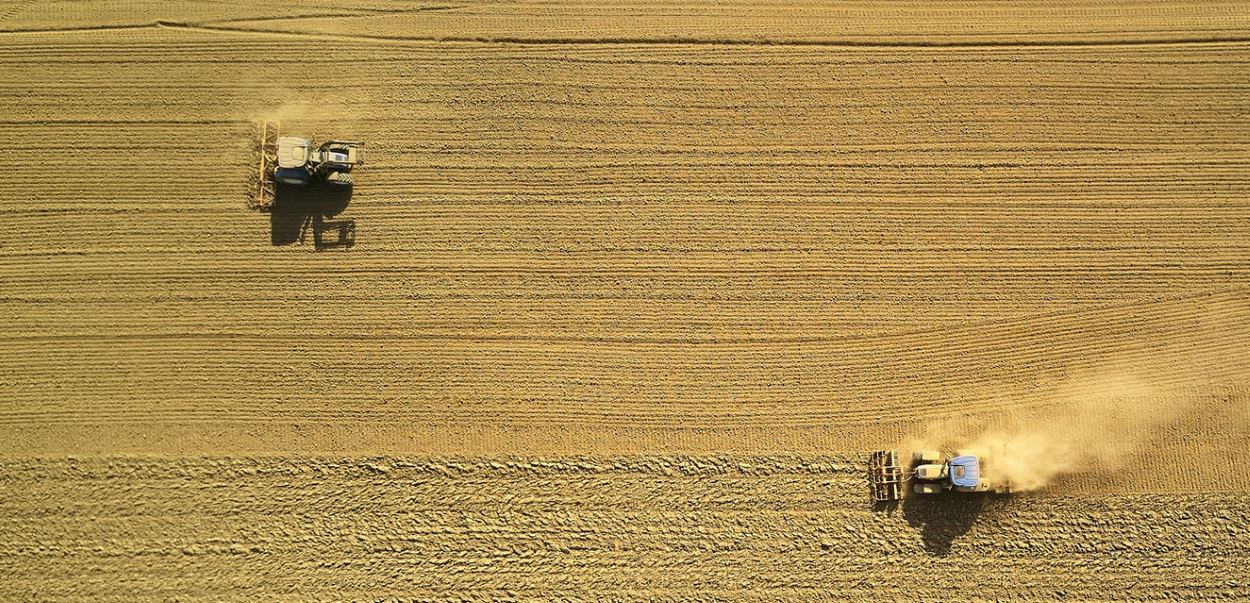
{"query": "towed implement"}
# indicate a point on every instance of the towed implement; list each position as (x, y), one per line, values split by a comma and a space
(292, 160)
(884, 476)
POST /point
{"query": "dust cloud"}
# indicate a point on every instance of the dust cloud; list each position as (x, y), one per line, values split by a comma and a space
(304, 108)
(1096, 424)
(300, 107)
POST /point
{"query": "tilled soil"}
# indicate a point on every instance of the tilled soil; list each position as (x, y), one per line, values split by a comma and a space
(638, 528)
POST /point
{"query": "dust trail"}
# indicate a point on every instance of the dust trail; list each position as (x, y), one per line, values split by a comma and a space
(300, 105)
(1097, 423)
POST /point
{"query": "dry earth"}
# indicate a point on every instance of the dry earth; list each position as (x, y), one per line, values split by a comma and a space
(623, 529)
(634, 288)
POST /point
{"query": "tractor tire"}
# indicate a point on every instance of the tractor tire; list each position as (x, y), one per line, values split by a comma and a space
(340, 178)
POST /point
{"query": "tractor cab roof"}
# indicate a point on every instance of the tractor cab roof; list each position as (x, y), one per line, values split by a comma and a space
(965, 471)
(293, 152)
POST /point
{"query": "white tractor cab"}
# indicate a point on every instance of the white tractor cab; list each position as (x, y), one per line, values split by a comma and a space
(934, 473)
(332, 162)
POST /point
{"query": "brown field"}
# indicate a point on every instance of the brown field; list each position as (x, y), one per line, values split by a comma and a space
(634, 290)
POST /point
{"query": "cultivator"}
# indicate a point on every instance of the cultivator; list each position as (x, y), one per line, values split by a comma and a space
(885, 477)
(268, 162)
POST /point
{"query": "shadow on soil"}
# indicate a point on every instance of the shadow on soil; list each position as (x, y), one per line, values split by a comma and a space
(943, 519)
(299, 209)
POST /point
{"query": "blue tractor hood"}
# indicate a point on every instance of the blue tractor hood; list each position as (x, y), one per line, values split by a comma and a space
(965, 471)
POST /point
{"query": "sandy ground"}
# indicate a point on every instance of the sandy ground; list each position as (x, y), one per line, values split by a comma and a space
(634, 288)
(745, 528)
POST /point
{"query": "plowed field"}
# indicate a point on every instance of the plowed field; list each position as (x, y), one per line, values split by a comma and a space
(634, 289)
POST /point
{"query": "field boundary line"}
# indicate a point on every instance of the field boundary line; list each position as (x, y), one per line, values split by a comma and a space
(1243, 37)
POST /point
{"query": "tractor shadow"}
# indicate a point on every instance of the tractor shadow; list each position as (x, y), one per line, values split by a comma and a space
(945, 518)
(297, 210)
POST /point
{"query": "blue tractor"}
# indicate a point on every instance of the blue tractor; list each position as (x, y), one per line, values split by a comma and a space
(933, 473)
(295, 161)
(332, 162)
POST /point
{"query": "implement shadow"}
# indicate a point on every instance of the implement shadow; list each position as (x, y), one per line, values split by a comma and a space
(943, 518)
(298, 209)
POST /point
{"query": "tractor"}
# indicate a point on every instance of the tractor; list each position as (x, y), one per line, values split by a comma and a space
(291, 160)
(931, 472)
(332, 162)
